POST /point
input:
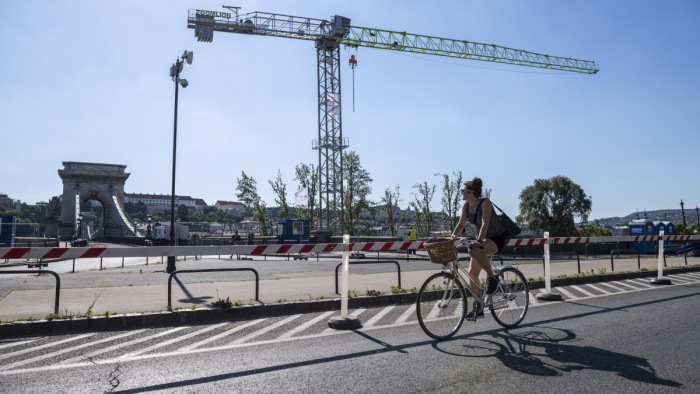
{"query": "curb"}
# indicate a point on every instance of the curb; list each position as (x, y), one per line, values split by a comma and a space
(208, 315)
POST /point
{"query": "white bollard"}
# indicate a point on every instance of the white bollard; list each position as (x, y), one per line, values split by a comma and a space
(344, 280)
(548, 295)
(344, 322)
(660, 280)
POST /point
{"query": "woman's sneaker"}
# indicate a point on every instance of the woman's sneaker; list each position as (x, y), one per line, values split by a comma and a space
(478, 310)
(493, 285)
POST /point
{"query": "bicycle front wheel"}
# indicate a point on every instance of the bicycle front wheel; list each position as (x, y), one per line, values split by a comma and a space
(441, 306)
(510, 301)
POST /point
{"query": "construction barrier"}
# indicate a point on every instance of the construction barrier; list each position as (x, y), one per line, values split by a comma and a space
(158, 251)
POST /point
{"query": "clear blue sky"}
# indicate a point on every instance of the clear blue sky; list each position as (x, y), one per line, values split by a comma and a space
(89, 81)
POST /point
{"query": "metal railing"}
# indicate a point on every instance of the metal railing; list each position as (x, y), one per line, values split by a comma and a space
(612, 262)
(398, 268)
(58, 283)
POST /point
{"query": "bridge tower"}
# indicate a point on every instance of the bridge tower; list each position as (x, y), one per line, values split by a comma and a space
(94, 181)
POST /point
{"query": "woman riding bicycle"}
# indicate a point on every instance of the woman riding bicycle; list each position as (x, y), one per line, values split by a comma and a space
(490, 236)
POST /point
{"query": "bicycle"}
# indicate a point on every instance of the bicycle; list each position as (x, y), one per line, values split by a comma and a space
(442, 301)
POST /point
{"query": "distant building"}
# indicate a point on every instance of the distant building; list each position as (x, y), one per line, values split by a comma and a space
(161, 202)
(230, 207)
(6, 201)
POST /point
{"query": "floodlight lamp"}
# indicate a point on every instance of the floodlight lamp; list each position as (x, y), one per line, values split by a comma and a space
(173, 71)
(187, 56)
(184, 83)
(180, 66)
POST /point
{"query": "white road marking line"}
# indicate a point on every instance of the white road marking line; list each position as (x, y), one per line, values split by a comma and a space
(305, 326)
(174, 340)
(566, 293)
(223, 334)
(373, 321)
(265, 330)
(410, 311)
(33, 349)
(688, 275)
(121, 345)
(21, 342)
(594, 287)
(68, 350)
(533, 299)
(627, 285)
(620, 289)
(642, 282)
(582, 290)
(679, 279)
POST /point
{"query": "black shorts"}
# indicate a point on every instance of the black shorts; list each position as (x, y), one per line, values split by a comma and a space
(500, 241)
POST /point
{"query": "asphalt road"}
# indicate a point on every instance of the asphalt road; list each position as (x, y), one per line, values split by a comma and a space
(640, 340)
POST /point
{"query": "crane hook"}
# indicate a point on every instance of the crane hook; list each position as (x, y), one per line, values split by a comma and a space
(352, 61)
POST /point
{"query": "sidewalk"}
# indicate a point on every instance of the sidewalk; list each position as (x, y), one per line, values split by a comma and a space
(143, 288)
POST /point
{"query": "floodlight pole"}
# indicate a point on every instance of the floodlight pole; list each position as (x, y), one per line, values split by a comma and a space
(175, 74)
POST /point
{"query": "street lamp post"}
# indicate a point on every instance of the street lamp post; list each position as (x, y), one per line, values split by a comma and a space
(175, 71)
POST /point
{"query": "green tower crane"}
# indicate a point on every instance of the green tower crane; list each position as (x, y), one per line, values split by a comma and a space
(328, 35)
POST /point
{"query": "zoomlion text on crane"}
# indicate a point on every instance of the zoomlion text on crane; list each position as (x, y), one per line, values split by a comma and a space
(214, 14)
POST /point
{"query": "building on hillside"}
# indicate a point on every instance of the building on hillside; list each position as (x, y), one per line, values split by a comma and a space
(161, 202)
(6, 201)
(230, 207)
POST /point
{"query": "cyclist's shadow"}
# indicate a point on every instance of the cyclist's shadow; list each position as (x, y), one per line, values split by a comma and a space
(543, 351)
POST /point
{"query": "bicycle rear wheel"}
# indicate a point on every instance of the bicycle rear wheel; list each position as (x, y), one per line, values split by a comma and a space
(509, 303)
(441, 305)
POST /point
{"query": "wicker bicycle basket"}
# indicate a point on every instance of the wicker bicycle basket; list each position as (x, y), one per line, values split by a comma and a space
(440, 250)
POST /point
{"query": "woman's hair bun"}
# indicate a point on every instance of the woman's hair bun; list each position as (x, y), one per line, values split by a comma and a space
(477, 182)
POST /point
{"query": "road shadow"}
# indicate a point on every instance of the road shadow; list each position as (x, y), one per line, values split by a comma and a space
(190, 298)
(544, 351)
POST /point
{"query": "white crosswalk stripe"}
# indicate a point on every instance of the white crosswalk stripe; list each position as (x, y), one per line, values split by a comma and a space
(371, 322)
(121, 345)
(565, 293)
(583, 291)
(619, 289)
(305, 326)
(627, 285)
(175, 340)
(408, 313)
(594, 287)
(17, 343)
(45, 346)
(642, 282)
(677, 279)
(222, 335)
(67, 350)
(265, 330)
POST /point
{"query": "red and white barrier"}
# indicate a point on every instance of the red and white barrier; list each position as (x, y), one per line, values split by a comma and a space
(153, 251)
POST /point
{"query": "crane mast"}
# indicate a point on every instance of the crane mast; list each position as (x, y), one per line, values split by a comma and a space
(328, 36)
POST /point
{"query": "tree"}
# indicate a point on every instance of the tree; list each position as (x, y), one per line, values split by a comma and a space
(307, 175)
(280, 189)
(593, 230)
(422, 216)
(357, 188)
(551, 205)
(391, 203)
(248, 195)
(451, 200)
